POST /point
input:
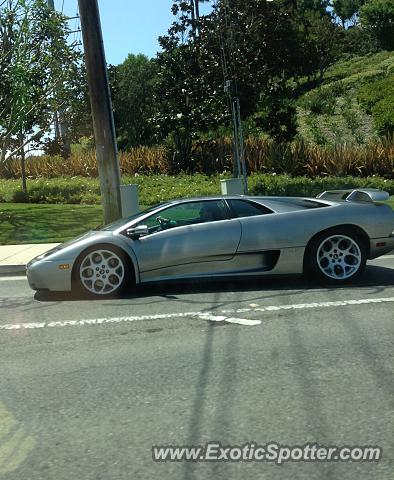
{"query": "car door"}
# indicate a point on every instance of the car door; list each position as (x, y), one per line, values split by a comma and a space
(255, 252)
(188, 239)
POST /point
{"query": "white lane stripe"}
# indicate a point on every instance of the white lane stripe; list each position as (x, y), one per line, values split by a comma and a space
(94, 321)
(300, 306)
(203, 315)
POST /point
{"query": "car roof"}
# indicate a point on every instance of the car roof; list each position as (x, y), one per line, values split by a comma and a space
(239, 197)
(275, 203)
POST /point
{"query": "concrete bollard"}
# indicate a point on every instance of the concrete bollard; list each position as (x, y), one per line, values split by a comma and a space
(232, 186)
(129, 200)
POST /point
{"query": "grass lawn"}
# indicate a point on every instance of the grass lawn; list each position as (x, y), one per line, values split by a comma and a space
(31, 223)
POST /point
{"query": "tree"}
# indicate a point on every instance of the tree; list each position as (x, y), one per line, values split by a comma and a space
(346, 10)
(250, 48)
(132, 84)
(250, 43)
(378, 17)
(77, 116)
(39, 73)
(321, 44)
(317, 6)
(277, 115)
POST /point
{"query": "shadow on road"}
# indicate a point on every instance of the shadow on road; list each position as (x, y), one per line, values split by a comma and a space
(374, 276)
(225, 378)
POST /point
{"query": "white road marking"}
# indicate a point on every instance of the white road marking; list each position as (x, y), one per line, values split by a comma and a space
(301, 306)
(211, 316)
(93, 321)
(221, 318)
(244, 321)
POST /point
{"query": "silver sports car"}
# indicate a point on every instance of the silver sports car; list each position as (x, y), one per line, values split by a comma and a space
(330, 236)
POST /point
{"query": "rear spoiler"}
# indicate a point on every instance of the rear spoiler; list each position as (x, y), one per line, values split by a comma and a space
(356, 195)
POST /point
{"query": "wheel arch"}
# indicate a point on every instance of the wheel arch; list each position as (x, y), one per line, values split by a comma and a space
(335, 229)
(113, 246)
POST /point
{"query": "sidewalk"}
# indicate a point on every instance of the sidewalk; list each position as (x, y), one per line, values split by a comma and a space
(13, 258)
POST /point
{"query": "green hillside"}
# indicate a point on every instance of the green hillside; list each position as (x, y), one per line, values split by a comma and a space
(354, 104)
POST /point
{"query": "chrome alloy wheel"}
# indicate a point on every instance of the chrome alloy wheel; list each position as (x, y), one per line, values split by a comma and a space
(339, 257)
(101, 272)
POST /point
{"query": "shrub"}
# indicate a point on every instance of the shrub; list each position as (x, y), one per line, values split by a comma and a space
(20, 197)
(303, 186)
(158, 188)
(383, 115)
(211, 157)
(89, 198)
(374, 92)
(320, 101)
(377, 99)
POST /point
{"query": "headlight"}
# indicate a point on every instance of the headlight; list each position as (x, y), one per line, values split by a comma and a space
(49, 252)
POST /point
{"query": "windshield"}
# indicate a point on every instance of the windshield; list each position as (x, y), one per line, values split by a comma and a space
(122, 221)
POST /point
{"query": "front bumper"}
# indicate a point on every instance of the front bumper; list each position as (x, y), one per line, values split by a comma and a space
(49, 275)
(380, 246)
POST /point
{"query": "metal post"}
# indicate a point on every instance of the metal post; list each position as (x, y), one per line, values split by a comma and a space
(237, 164)
(23, 161)
(242, 148)
(100, 100)
(61, 126)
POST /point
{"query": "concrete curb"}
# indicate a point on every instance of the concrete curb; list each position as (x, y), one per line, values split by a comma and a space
(9, 270)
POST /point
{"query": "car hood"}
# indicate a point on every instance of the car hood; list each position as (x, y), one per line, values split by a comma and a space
(81, 238)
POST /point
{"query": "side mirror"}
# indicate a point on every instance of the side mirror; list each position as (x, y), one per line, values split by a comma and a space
(136, 232)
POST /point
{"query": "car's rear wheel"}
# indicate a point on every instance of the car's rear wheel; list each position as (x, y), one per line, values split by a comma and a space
(337, 256)
(102, 272)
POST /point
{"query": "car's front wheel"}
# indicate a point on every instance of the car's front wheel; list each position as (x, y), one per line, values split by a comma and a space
(337, 256)
(102, 272)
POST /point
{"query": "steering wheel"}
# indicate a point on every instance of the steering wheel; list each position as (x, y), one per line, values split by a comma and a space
(163, 221)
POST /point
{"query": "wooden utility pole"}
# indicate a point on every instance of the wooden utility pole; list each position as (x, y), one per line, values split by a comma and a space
(101, 105)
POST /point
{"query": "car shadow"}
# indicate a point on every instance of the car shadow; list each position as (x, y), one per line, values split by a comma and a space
(374, 276)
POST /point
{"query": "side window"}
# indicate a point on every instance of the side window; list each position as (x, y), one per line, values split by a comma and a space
(188, 213)
(243, 208)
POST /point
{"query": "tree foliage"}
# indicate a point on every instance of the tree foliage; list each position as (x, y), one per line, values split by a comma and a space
(39, 72)
(242, 45)
(261, 52)
(346, 10)
(132, 84)
(378, 17)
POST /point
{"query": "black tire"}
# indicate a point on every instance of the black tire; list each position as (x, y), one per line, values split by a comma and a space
(336, 256)
(111, 267)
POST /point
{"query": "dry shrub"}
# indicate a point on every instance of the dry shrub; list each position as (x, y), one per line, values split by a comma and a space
(215, 155)
(144, 160)
(368, 160)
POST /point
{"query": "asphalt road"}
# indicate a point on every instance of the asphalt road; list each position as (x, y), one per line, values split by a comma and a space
(88, 387)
